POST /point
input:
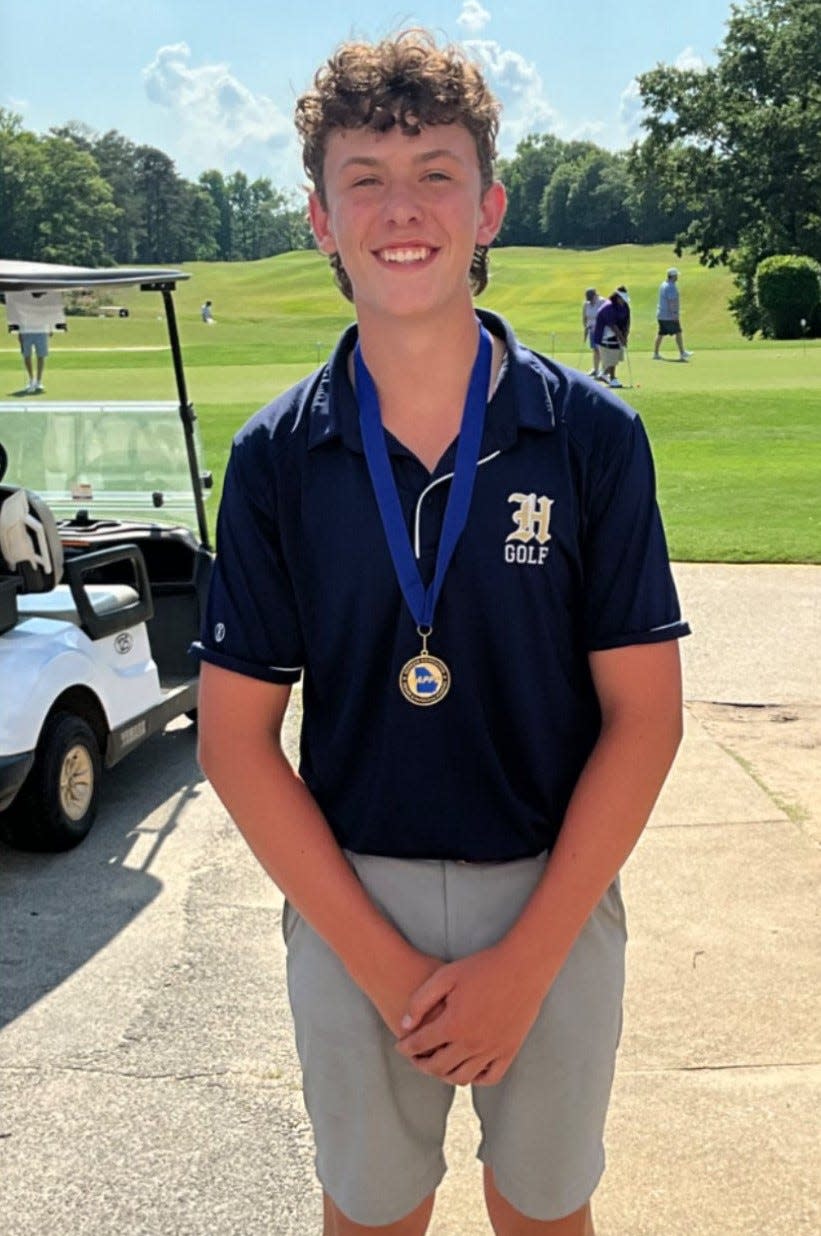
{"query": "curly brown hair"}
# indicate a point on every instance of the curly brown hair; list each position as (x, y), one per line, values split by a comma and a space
(404, 80)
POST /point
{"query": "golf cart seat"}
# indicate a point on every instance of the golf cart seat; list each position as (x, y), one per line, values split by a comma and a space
(32, 565)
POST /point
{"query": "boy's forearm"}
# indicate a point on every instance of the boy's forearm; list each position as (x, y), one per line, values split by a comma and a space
(606, 815)
(284, 827)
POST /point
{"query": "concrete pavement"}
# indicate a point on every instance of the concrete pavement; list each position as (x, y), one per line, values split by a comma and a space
(149, 1081)
(714, 1126)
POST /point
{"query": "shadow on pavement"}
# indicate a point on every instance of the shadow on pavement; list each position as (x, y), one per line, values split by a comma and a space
(61, 909)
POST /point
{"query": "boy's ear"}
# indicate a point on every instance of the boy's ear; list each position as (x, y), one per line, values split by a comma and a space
(492, 212)
(320, 224)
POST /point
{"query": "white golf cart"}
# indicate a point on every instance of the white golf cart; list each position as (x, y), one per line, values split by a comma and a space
(104, 566)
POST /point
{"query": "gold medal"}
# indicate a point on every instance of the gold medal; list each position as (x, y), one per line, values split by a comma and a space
(424, 680)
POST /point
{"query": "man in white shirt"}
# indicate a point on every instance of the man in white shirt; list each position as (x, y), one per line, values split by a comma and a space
(35, 315)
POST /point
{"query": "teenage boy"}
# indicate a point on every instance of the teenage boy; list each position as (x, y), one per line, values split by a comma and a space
(456, 544)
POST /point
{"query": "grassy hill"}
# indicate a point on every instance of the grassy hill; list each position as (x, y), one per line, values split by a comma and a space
(735, 432)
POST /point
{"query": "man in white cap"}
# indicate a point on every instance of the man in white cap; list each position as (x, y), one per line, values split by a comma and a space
(668, 316)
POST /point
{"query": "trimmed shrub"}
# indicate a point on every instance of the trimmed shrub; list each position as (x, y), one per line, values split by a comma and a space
(787, 288)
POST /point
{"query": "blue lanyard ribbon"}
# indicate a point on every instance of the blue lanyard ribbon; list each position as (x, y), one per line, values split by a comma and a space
(421, 601)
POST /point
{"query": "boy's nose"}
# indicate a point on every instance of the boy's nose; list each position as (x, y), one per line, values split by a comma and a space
(402, 205)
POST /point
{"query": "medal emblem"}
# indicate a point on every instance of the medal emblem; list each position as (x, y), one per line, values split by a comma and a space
(424, 680)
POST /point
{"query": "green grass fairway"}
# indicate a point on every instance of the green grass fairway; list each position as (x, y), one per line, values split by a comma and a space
(736, 432)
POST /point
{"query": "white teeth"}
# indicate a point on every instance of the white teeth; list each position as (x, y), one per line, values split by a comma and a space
(404, 255)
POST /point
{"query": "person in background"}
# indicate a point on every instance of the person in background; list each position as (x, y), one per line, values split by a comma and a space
(611, 332)
(669, 317)
(35, 315)
(449, 851)
(592, 303)
(206, 313)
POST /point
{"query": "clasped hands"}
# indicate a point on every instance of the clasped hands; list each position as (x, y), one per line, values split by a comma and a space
(466, 1022)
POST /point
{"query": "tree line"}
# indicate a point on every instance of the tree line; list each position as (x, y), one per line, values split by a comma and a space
(729, 168)
(75, 196)
(578, 195)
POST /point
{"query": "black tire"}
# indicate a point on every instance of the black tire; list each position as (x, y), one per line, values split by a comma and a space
(56, 807)
(123, 313)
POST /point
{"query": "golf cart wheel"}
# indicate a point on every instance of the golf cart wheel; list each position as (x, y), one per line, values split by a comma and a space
(57, 805)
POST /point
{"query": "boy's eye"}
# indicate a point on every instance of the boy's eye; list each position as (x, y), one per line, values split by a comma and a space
(436, 176)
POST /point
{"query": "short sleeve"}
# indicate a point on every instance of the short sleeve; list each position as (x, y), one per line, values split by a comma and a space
(630, 596)
(250, 623)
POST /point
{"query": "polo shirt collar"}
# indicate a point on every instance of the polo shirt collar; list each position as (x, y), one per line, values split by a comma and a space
(522, 399)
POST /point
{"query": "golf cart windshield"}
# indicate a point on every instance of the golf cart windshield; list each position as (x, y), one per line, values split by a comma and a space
(112, 460)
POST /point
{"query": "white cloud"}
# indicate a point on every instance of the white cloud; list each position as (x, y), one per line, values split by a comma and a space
(219, 121)
(473, 17)
(590, 131)
(519, 87)
(630, 112)
(690, 59)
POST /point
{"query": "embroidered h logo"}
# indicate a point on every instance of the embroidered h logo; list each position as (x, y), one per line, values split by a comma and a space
(532, 518)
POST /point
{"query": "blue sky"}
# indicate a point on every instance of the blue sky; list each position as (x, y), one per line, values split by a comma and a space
(213, 82)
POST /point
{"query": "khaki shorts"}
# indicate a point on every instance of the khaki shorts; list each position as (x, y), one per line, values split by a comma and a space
(379, 1124)
(610, 357)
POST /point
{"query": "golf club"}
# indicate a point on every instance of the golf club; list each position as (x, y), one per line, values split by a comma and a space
(629, 364)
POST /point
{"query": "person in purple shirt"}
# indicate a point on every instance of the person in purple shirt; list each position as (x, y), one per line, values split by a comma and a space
(611, 332)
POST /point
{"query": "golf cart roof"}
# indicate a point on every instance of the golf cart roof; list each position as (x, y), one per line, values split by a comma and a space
(42, 276)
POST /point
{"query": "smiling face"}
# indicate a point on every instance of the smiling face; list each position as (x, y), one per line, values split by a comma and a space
(405, 213)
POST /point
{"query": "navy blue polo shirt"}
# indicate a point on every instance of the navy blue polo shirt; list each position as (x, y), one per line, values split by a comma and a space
(563, 554)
